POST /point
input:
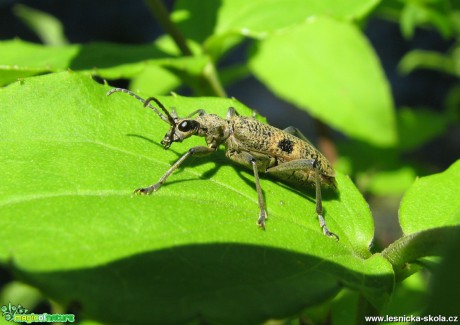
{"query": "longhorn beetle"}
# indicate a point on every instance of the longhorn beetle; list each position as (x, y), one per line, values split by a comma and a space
(286, 154)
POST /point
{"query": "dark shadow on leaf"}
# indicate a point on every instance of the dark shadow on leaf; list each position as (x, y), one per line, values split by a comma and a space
(307, 192)
(246, 174)
(218, 159)
(222, 283)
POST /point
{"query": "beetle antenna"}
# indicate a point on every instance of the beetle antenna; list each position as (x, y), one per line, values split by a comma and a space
(168, 119)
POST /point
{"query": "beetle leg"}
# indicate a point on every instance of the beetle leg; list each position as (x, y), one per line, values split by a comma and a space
(308, 164)
(319, 207)
(246, 158)
(195, 151)
(231, 113)
(199, 112)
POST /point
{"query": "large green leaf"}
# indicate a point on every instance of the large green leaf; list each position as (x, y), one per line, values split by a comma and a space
(221, 24)
(328, 68)
(19, 59)
(432, 202)
(430, 218)
(259, 16)
(71, 227)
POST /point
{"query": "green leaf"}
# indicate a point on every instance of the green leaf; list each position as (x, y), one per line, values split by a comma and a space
(417, 13)
(259, 16)
(20, 293)
(19, 59)
(420, 59)
(71, 227)
(262, 16)
(343, 308)
(388, 182)
(221, 24)
(47, 27)
(429, 216)
(432, 201)
(155, 80)
(327, 68)
(442, 298)
(416, 127)
(409, 253)
(408, 297)
(197, 22)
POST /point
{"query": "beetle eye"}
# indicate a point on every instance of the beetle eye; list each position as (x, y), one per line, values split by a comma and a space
(186, 126)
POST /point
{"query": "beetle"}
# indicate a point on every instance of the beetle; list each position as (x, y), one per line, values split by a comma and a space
(286, 154)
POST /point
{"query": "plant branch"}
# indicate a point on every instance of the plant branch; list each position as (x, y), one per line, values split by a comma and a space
(161, 14)
(210, 77)
(409, 248)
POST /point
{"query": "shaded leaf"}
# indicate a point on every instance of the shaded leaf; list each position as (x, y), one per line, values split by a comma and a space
(420, 59)
(343, 308)
(47, 27)
(442, 297)
(416, 127)
(429, 216)
(17, 292)
(388, 182)
(408, 297)
(417, 13)
(111, 61)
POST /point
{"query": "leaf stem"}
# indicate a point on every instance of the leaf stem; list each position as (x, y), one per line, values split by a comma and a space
(210, 77)
(161, 14)
(409, 248)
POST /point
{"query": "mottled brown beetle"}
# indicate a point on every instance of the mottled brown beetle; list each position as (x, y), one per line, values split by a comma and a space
(285, 154)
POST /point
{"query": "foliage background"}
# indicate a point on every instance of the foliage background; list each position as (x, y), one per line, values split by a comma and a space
(427, 101)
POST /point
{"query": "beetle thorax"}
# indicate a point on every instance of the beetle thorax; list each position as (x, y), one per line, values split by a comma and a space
(214, 128)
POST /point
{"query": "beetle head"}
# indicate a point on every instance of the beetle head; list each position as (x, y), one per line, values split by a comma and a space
(182, 128)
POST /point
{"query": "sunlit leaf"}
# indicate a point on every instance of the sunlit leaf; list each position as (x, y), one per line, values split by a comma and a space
(190, 251)
(327, 68)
